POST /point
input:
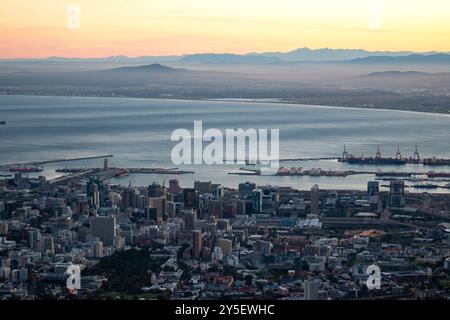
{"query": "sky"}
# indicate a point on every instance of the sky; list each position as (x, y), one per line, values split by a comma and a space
(101, 28)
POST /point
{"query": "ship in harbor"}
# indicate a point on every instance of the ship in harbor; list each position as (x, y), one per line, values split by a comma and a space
(377, 160)
(433, 174)
(436, 162)
(121, 173)
(3, 123)
(397, 160)
(26, 169)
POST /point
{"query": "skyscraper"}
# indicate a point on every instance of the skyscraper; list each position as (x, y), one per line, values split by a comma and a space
(203, 187)
(397, 193)
(191, 198)
(155, 190)
(246, 190)
(160, 205)
(197, 244)
(104, 228)
(315, 200)
(174, 186)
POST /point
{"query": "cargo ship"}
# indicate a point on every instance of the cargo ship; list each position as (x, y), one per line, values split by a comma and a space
(426, 186)
(121, 173)
(433, 174)
(377, 160)
(393, 174)
(436, 162)
(26, 169)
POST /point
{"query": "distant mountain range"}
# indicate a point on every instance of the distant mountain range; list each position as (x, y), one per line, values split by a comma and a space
(413, 58)
(325, 54)
(150, 68)
(298, 55)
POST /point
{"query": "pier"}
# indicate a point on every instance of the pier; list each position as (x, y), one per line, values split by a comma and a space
(38, 163)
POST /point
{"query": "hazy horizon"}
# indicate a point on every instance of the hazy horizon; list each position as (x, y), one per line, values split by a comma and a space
(230, 53)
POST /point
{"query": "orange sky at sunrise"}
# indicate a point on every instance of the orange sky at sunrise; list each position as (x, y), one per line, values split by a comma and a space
(43, 28)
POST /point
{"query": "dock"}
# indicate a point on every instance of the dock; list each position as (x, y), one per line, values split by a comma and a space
(38, 163)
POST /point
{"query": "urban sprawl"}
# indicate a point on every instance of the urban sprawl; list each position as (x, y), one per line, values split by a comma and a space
(207, 241)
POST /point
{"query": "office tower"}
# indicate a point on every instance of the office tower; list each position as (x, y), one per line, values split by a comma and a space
(155, 190)
(129, 197)
(174, 186)
(189, 217)
(267, 202)
(47, 244)
(397, 193)
(191, 198)
(203, 187)
(105, 165)
(373, 190)
(104, 228)
(34, 236)
(246, 190)
(315, 201)
(262, 247)
(18, 179)
(223, 224)
(142, 201)
(311, 290)
(257, 200)
(218, 191)
(97, 249)
(96, 192)
(197, 244)
(151, 214)
(215, 208)
(160, 205)
(226, 245)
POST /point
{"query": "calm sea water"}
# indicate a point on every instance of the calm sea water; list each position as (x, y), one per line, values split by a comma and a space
(137, 132)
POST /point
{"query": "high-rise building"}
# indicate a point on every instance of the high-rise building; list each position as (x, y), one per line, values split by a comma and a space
(191, 198)
(215, 208)
(315, 200)
(96, 192)
(203, 187)
(174, 186)
(47, 244)
(97, 249)
(160, 205)
(34, 236)
(397, 193)
(155, 190)
(197, 244)
(104, 228)
(246, 190)
(226, 245)
(189, 217)
(257, 200)
(373, 190)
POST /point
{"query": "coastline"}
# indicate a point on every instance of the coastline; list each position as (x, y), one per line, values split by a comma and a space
(233, 100)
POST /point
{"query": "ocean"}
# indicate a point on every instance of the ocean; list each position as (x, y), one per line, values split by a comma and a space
(137, 132)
